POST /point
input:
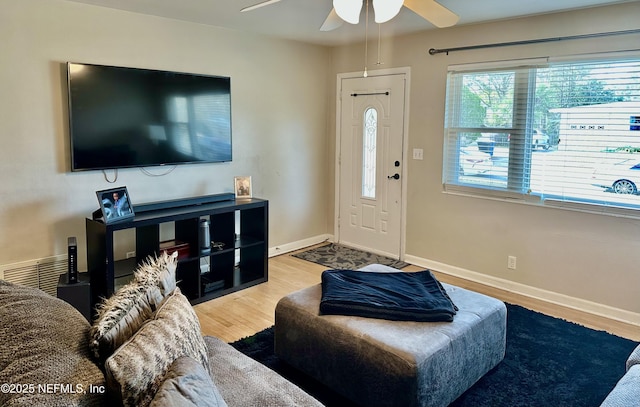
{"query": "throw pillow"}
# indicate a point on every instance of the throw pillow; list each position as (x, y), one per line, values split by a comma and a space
(158, 272)
(121, 315)
(118, 318)
(44, 343)
(187, 384)
(136, 369)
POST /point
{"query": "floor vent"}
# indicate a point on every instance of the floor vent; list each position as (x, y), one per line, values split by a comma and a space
(39, 273)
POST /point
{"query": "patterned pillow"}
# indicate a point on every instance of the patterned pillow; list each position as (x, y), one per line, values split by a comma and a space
(122, 314)
(137, 368)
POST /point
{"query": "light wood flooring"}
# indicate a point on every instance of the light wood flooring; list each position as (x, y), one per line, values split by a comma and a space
(249, 311)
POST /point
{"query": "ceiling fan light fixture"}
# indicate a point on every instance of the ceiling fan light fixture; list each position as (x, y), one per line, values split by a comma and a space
(385, 10)
(348, 10)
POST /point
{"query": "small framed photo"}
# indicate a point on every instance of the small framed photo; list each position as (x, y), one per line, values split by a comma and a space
(242, 186)
(115, 204)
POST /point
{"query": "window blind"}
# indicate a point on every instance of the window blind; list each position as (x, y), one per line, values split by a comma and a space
(565, 132)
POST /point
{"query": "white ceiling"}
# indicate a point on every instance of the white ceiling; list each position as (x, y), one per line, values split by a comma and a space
(301, 19)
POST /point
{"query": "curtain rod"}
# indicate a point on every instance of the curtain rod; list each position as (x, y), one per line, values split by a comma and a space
(434, 51)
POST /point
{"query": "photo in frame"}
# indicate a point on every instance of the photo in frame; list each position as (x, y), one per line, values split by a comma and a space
(242, 187)
(115, 204)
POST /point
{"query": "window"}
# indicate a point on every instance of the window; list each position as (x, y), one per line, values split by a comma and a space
(552, 133)
(369, 154)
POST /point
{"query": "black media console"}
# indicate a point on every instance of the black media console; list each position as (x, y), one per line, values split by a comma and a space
(238, 256)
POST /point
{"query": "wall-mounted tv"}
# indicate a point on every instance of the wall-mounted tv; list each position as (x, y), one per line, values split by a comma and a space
(127, 117)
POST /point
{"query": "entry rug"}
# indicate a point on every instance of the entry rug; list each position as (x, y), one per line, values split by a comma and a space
(548, 362)
(336, 256)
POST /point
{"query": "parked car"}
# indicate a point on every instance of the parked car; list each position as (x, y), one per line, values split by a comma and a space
(540, 140)
(622, 177)
(474, 162)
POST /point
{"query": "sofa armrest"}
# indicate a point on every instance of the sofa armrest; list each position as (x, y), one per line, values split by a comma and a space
(44, 340)
(634, 358)
(244, 382)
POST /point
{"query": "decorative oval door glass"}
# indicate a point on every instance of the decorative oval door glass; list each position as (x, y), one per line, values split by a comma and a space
(370, 134)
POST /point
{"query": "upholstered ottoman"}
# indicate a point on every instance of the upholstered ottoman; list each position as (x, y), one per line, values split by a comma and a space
(377, 362)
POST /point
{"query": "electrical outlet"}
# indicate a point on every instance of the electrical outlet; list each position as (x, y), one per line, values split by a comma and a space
(131, 254)
(511, 262)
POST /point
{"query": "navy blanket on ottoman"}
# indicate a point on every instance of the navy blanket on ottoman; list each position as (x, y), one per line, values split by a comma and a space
(400, 296)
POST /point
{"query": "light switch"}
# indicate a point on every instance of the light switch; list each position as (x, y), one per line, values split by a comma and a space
(418, 154)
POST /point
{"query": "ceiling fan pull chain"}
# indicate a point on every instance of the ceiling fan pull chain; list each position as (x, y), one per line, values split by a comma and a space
(366, 39)
(379, 30)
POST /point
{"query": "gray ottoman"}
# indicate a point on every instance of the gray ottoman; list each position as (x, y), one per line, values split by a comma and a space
(376, 362)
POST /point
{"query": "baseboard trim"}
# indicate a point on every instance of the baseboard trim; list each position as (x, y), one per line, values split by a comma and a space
(551, 297)
(300, 244)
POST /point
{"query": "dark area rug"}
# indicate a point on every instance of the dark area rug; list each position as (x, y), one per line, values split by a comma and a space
(337, 256)
(548, 362)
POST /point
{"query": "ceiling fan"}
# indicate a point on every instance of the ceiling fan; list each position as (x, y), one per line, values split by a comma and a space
(349, 11)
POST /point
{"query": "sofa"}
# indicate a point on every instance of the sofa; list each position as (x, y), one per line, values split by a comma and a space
(627, 390)
(144, 348)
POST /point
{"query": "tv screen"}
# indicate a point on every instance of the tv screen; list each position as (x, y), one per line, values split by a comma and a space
(128, 117)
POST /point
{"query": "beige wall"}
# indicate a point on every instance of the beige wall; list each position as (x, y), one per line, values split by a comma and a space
(585, 260)
(284, 137)
(279, 108)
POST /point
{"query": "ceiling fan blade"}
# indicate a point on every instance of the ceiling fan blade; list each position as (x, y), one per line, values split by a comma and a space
(258, 5)
(348, 10)
(433, 12)
(332, 22)
(385, 10)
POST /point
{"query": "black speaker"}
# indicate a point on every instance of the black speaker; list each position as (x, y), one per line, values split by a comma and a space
(72, 250)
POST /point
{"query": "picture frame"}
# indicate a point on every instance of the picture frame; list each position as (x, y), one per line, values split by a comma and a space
(115, 205)
(242, 187)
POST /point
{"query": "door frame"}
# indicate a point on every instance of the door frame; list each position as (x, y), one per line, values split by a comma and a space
(406, 73)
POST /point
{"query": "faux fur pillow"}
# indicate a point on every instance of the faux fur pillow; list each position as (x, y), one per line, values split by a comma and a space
(158, 272)
(137, 368)
(122, 314)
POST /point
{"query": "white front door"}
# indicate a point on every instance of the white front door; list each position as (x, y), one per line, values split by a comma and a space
(370, 163)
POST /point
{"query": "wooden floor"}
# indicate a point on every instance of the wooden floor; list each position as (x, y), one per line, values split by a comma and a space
(248, 311)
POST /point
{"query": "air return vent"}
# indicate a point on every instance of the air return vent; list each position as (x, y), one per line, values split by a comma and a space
(39, 273)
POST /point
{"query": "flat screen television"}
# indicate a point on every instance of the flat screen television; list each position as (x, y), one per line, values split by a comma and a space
(128, 117)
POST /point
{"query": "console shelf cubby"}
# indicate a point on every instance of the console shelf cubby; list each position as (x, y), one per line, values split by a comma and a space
(238, 257)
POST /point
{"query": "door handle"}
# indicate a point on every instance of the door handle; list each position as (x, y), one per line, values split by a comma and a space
(394, 176)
